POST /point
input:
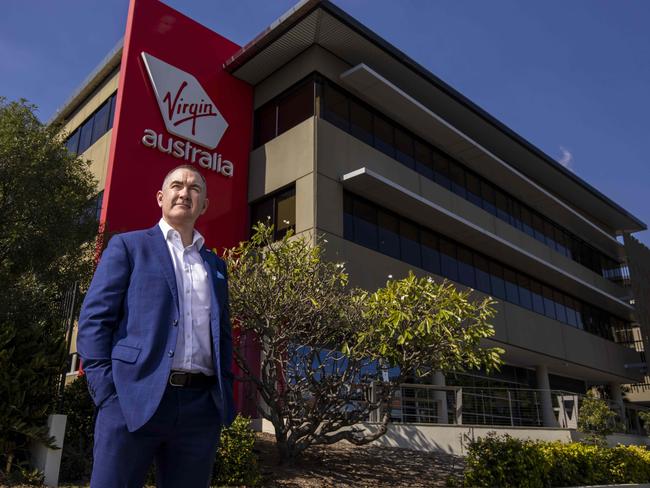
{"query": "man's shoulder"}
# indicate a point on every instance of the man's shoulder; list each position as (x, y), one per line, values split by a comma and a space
(137, 235)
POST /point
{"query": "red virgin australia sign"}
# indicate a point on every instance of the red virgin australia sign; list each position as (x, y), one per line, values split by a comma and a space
(188, 112)
(176, 105)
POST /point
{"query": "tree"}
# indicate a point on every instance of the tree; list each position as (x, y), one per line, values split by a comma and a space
(332, 355)
(595, 419)
(45, 220)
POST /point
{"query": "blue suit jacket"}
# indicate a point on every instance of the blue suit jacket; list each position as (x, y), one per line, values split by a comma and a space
(129, 323)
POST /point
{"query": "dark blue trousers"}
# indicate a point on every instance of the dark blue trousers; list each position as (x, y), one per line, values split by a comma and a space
(182, 437)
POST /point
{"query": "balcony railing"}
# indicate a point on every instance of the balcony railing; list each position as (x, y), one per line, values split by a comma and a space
(428, 404)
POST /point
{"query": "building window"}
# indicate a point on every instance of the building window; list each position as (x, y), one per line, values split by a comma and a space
(370, 126)
(277, 210)
(284, 112)
(380, 229)
(94, 127)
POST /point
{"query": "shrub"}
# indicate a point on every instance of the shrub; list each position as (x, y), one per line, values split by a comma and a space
(506, 462)
(595, 419)
(236, 462)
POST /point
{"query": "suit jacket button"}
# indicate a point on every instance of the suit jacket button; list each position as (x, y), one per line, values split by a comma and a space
(170, 353)
(175, 322)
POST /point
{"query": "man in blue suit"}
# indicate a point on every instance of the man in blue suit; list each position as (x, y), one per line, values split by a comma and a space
(154, 338)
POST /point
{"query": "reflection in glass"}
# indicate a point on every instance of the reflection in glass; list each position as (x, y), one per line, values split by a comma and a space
(448, 262)
(388, 229)
(361, 122)
(409, 243)
(430, 254)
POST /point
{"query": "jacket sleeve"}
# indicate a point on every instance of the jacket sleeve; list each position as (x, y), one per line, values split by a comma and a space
(225, 347)
(100, 314)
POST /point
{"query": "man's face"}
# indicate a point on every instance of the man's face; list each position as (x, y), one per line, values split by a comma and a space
(182, 198)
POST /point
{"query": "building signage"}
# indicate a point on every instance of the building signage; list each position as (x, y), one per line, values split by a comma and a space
(177, 105)
(188, 112)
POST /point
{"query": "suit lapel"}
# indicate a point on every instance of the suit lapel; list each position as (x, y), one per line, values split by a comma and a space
(162, 252)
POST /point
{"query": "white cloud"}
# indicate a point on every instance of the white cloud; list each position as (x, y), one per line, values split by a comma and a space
(566, 159)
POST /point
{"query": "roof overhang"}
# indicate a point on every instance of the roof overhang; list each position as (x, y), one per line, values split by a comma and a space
(320, 22)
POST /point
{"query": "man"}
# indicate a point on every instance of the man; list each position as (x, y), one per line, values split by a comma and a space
(154, 338)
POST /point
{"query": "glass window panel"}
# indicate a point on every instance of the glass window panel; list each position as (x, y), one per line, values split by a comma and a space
(578, 308)
(388, 232)
(560, 310)
(487, 194)
(512, 291)
(430, 254)
(423, 162)
(335, 107)
(262, 211)
(265, 124)
(549, 232)
(383, 131)
(86, 134)
(73, 142)
(448, 262)
(536, 295)
(296, 107)
(473, 189)
(457, 175)
(482, 273)
(525, 296)
(410, 243)
(100, 125)
(514, 209)
(560, 241)
(538, 227)
(549, 304)
(441, 170)
(501, 203)
(285, 208)
(496, 281)
(348, 217)
(361, 122)
(365, 224)
(570, 311)
(527, 221)
(466, 267)
(404, 148)
(111, 116)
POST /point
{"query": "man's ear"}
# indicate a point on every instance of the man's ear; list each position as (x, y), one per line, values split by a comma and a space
(205, 206)
(159, 198)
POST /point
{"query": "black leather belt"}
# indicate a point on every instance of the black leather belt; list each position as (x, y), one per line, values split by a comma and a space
(183, 379)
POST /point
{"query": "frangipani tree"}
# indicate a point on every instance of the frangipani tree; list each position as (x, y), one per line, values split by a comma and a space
(325, 345)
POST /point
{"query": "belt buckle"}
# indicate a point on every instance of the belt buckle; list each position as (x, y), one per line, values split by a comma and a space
(180, 374)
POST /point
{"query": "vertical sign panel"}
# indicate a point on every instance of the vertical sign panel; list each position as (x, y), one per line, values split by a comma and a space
(176, 105)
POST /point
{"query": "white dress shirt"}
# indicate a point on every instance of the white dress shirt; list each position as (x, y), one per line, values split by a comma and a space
(193, 346)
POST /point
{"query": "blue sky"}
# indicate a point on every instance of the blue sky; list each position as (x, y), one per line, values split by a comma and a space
(571, 77)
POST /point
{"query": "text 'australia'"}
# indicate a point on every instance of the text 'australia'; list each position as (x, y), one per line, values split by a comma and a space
(187, 151)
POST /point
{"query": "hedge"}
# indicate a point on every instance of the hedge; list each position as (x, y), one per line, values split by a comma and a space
(504, 462)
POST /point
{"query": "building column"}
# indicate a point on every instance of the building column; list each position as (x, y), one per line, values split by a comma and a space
(617, 398)
(440, 397)
(544, 387)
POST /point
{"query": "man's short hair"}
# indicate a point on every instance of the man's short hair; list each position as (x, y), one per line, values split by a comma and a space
(190, 168)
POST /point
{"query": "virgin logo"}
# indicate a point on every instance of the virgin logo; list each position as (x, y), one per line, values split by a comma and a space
(186, 108)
